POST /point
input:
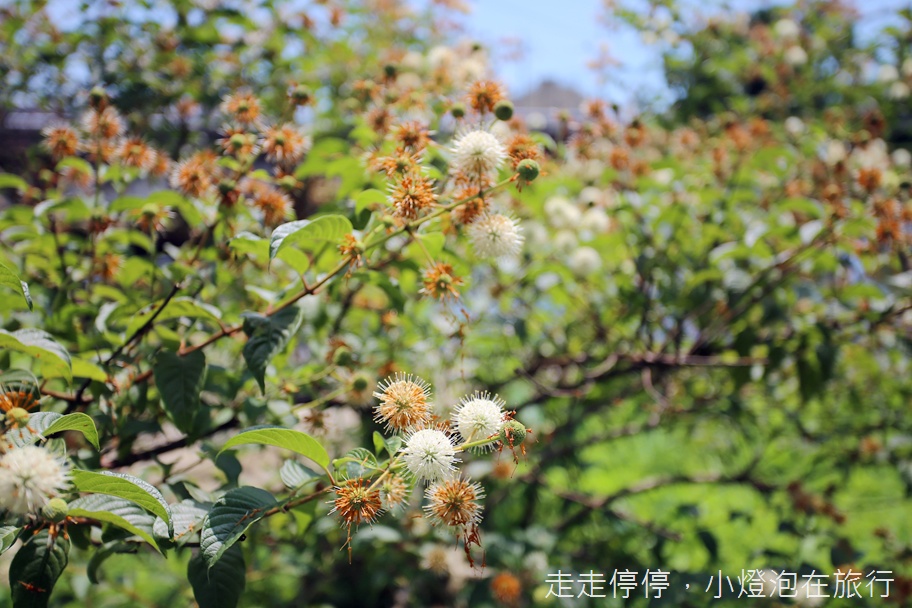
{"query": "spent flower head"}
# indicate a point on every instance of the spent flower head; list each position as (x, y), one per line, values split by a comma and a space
(454, 502)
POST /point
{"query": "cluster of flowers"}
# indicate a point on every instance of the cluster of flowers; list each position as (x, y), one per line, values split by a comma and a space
(430, 455)
(32, 477)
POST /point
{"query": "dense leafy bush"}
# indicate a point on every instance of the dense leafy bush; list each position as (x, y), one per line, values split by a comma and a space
(299, 313)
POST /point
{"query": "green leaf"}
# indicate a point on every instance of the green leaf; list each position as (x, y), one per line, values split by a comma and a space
(36, 568)
(309, 234)
(357, 463)
(229, 518)
(103, 552)
(8, 180)
(8, 536)
(268, 337)
(174, 309)
(294, 474)
(10, 279)
(41, 345)
(118, 512)
(186, 516)
(289, 439)
(123, 486)
(75, 422)
(369, 197)
(38, 423)
(180, 381)
(87, 369)
(221, 585)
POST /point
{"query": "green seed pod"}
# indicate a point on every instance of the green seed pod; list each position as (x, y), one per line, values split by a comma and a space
(528, 169)
(55, 510)
(458, 110)
(18, 417)
(98, 98)
(503, 110)
(360, 382)
(513, 433)
(300, 95)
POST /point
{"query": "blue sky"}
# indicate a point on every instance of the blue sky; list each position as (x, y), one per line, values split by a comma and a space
(560, 37)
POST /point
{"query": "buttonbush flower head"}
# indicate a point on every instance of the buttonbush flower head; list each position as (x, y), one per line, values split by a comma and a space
(506, 589)
(242, 107)
(60, 141)
(195, 176)
(103, 124)
(135, 152)
(404, 403)
(413, 136)
(394, 492)
(440, 282)
(479, 416)
(495, 236)
(454, 502)
(275, 204)
(484, 95)
(238, 142)
(411, 195)
(29, 477)
(356, 503)
(429, 454)
(478, 155)
(284, 144)
(522, 147)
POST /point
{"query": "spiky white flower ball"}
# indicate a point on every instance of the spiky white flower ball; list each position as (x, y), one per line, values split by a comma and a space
(478, 154)
(29, 477)
(795, 55)
(584, 261)
(479, 416)
(429, 454)
(496, 236)
(787, 29)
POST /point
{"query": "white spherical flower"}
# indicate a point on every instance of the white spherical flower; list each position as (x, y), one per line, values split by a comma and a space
(429, 454)
(887, 73)
(478, 154)
(899, 90)
(479, 416)
(29, 477)
(562, 213)
(795, 56)
(495, 236)
(787, 29)
(584, 261)
(596, 220)
(794, 126)
(902, 158)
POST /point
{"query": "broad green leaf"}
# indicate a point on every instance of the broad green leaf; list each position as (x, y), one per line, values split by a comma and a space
(289, 439)
(123, 486)
(294, 474)
(39, 422)
(369, 197)
(124, 514)
(309, 234)
(74, 162)
(75, 422)
(101, 554)
(357, 463)
(40, 345)
(35, 569)
(8, 180)
(230, 517)
(175, 309)
(180, 380)
(8, 536)
(220, 585)
(187, 517)
(268, 337)
(248, 243)
(87, 369)
(10, 279)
